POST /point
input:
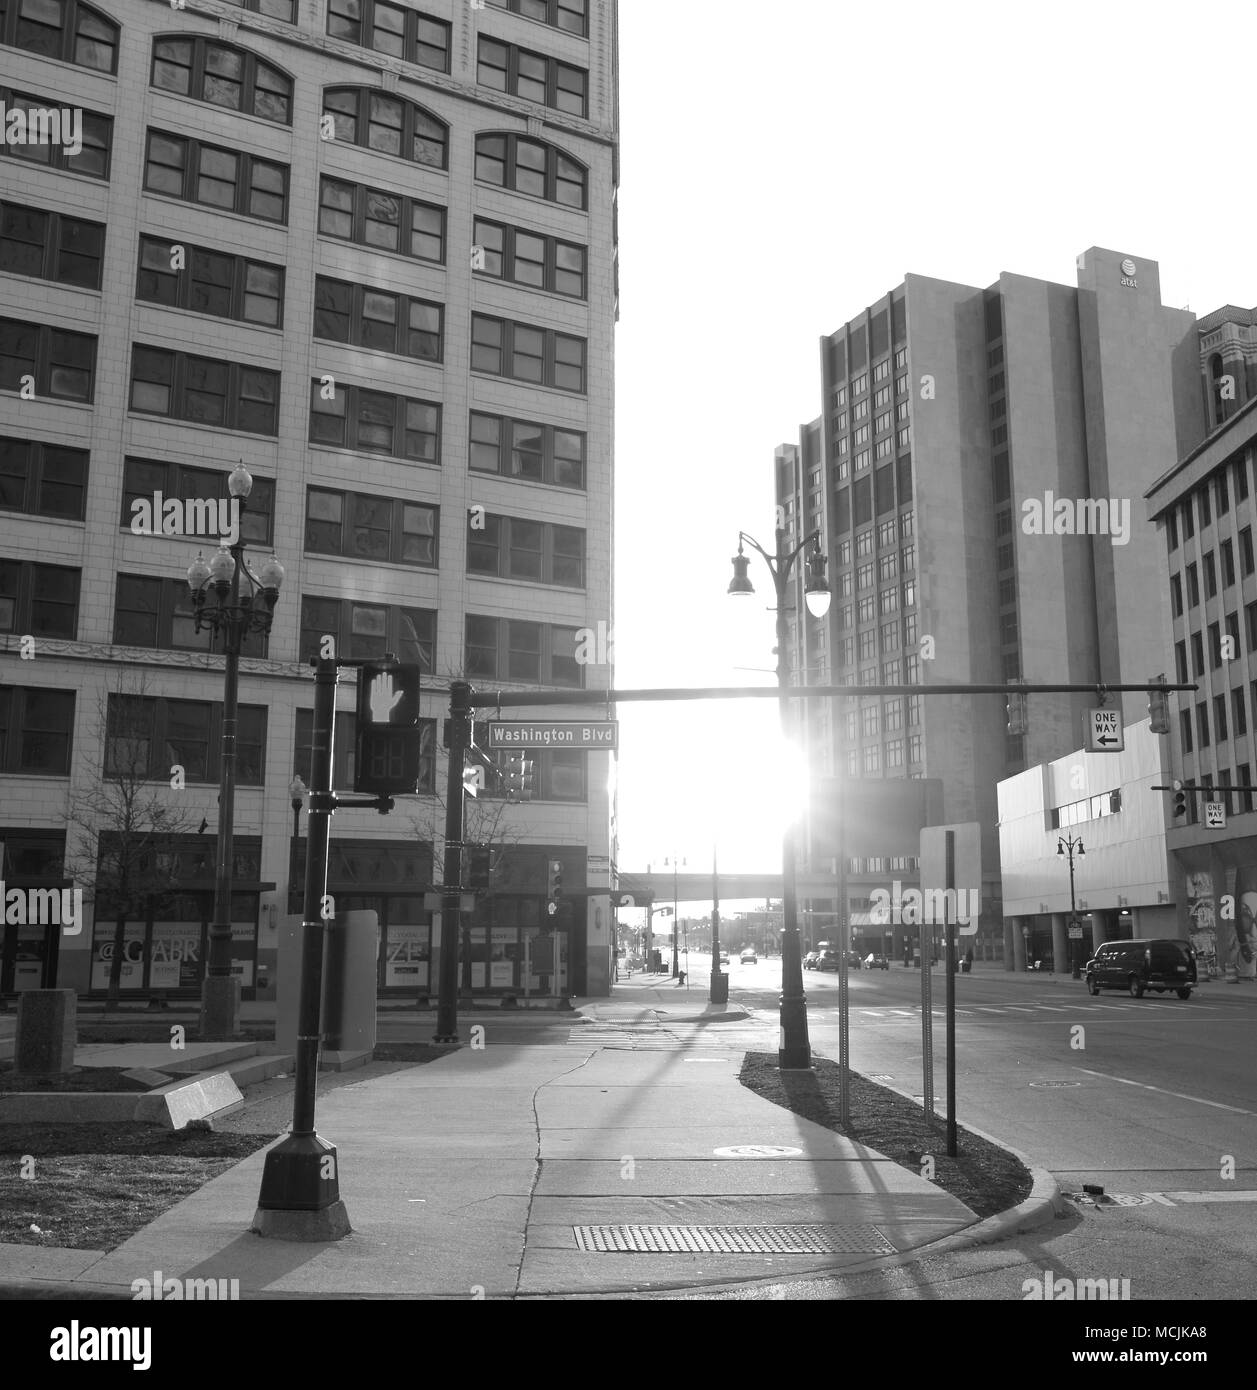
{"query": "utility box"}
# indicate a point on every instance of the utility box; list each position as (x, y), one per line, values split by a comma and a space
(351, 951)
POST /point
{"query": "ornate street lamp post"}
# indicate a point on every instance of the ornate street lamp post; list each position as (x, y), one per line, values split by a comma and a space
(795, 1049)
(232, 618)
(1067, 844)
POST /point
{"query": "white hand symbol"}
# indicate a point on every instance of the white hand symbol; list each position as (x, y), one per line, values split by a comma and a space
(383, 697)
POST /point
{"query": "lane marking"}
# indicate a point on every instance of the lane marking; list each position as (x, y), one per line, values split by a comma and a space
(1203, 1197)
(1161, 1090)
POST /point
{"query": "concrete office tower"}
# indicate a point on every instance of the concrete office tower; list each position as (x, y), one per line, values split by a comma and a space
(969, 438)
(370, 250)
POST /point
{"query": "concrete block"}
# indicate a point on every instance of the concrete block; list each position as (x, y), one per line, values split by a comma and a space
(45, 1032)
(344, 1060)
(174, 1106)
(147, 1077)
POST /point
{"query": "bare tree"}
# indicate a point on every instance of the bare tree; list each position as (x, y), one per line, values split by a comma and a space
(120, 830)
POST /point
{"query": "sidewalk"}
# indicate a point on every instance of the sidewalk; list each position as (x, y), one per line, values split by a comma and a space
(473, 1172)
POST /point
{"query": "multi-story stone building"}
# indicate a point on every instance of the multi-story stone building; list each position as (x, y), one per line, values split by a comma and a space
(370, 251)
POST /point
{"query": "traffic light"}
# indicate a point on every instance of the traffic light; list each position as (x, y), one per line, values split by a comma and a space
(517, 777)
(1159, 711)
(1180, 800)
(479, 866)
(388, 733)
(1017, 714)
(554, 887)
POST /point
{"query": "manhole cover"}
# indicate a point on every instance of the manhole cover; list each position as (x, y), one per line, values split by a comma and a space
(733, 1240)
(1127, 1199)
(757, 1151)
(1053, 1085)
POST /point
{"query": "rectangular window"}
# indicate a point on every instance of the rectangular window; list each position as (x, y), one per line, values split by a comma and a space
(374, 319)
(501, 649)
(1215, 646)
(1228, 564)
(36, 730)
(382, 221)
(1189, 521)
(542, 552)
(368, 629)
(1246, 551)
(520, 449)
(1180, 661)
(540, 356)
(1202, 501)
(1198, 655)
(371, 528)
(42, 600)
(540, 262)
(1241, 480)
(215, 177)
(354, 418)
(1185, 730)
(1221, 497)
(1219, 717)
(1202, 724)
(97, 131)
(1239, 712)
(211, 282)
(50, 246)
(533, 76)
(202, 390)
(42, 479)
(401, 33)
(143, 478)
(158, 614)
(1211, 575)
(145, 736)
(1193, 587)
(58, 363)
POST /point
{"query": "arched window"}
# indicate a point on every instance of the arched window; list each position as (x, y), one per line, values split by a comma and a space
(371, 118)
(532, 167)
(64, 29)
(223, 75)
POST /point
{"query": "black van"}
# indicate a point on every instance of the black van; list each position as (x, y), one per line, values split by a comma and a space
(1135, 966)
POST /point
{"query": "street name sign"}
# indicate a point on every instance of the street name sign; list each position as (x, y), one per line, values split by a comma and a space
(1215, 815)
(1075, 933)
(1104, 731)
(584, 734)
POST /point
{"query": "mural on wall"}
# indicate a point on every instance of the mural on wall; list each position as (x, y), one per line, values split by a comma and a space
(1239, 934)
(1203, 929)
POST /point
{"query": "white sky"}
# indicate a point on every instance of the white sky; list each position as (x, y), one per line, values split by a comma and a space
(1006, 137)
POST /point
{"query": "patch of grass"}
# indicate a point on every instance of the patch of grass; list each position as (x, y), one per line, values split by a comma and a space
(94, 1186)
(81, 1079)
(986, 1178)
(417, 1053)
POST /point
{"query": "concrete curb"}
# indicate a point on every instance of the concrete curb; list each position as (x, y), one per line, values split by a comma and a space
(1043, 1206)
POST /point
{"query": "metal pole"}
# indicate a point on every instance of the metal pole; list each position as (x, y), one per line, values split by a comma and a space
(926, 932)
(950, 927)
(220, 997)
(1073, 915)
(794, 1048)
(844, 1009)
(301, 1173)
(452, 875)
(676, 917)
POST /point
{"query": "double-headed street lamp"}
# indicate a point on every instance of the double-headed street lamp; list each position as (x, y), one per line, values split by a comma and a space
(234, 616)
(1067, 844)
(795, 1050)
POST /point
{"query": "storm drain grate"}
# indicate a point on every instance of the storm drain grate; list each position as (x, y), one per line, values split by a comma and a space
(733, 1240)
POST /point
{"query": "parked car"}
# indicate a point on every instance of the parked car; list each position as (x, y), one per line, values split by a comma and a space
(875, 962)
(748, 957)
(1158, 964)
(854, 960)
(809, 960)
(827, 960)
(724, 957)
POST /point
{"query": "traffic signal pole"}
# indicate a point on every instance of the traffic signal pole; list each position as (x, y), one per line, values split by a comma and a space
(451, 877)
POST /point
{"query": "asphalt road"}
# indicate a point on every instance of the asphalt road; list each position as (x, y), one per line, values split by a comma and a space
(1155, 1100)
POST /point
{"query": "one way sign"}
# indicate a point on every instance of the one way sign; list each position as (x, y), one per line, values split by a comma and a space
(1105, 731)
